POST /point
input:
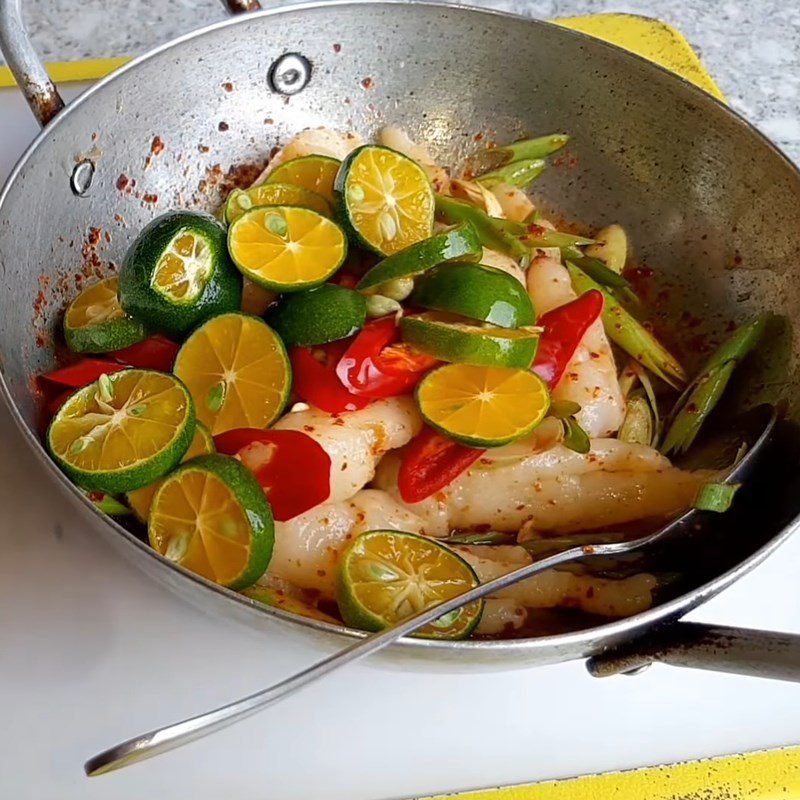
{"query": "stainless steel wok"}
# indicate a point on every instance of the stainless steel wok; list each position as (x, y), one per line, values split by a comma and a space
(712, 207)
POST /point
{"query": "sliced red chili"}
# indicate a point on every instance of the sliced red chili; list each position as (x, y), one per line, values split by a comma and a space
(315, 380)
(430, 462)
(564, 329)
(292, 468)
(54, 403)
(375, 366)
(81, 373)
(155, 352)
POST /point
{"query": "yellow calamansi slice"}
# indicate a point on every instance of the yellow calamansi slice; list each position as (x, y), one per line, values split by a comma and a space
(315, 173)
(123, 431)
(483, 406)
(273, 194)
(386, 576)
(94, 321)
(140, 500)
(286, 248)
(237, 371)
(387, 199)
(211, 516)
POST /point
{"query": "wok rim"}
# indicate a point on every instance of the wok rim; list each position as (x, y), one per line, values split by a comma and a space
(584, 641)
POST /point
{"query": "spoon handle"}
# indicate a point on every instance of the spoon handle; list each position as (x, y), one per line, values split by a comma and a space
(169, 737)
(741, 651)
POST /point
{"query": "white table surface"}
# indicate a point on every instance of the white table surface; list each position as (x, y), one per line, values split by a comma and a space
(92, 651)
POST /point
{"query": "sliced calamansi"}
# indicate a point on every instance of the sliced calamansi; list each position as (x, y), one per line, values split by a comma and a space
(449, 337)
(476, 291)
(316, 173)
(211, 517)
(123, 431)
(461, 241)
(286, 248)
(140, 500)
(273, 194)
(387, 576)
(94, 321)
(483, 406)
(387, 199)
(318, 316)
(178, 273)
(237, 370)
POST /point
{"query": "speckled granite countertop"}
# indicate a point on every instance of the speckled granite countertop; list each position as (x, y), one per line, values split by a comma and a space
(753, 52)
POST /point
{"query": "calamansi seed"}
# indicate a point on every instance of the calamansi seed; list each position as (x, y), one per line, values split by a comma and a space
(276, 224)
(177, 547)
(79, 445)
(380, 572)
(356, 194)
(380, 306)
(215, 398)
(447, 620)
(388, 226)
(105, 389)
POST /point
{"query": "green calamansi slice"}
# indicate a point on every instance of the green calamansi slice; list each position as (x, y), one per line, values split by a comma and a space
(274, 194)
(386, 199)
(319, 315)
(450, 338)
(123, 431)
(211, 517)
(140, 500)
(476, 291)
(177, 273)
(94, 321)
(460, 242)
(483, 406)
(315, 173)
(387, 576)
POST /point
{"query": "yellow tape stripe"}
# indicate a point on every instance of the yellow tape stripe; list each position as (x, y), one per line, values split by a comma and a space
(650, 38)
(67, 71)
(761, 775)
(646, 37)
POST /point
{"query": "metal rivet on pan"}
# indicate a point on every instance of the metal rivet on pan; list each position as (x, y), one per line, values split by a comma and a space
(289, 74)
(82, 176)
(638, 670)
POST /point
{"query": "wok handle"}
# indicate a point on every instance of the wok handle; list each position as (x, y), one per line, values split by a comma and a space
(25, 66)
(741, 651)
(29, 71)
(241, 6)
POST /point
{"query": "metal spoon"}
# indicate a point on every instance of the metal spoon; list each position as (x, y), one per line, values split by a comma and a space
(762, 422)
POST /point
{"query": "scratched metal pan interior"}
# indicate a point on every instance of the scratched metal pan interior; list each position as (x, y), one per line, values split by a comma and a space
(711, 207)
